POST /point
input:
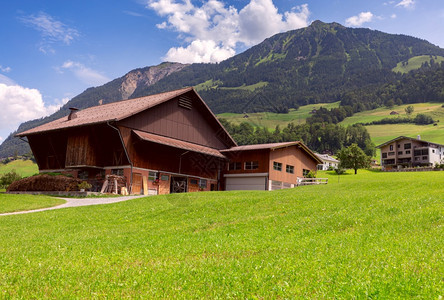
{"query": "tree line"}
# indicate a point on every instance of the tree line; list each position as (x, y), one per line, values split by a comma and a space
(319, 137)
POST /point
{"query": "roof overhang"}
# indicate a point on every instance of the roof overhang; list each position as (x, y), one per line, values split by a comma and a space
(167, 141)
(406, 138)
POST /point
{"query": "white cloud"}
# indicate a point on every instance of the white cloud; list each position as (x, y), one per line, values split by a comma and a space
(360, 19)
(85, 74)
(5, 69)
(406, 3)
(217, 28)
(52, 31)
(199, 51)
(394, 16)
(20, 104)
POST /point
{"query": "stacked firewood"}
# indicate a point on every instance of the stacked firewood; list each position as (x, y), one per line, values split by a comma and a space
(114, 184)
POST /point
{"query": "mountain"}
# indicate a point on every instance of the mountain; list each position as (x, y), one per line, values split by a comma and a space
(320, 63)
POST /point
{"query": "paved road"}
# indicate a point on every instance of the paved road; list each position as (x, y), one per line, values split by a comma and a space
(73, 202)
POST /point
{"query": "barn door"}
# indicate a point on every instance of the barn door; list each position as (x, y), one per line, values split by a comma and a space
(178, 184)
(137, 184)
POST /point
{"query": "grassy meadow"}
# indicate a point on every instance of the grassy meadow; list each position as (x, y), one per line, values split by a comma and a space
(371, 235)
(25, 168)
(270, 120)
(13, 203)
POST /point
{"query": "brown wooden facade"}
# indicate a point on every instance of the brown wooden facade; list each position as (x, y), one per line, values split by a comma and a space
(163, 143)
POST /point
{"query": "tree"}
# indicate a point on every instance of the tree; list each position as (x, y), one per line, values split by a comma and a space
(409, 109)
(354, 158)
(8, 178)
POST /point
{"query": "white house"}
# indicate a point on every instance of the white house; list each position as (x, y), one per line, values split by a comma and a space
(327, 162)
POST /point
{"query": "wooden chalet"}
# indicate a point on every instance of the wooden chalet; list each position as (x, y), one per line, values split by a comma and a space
(163, 143)
(160, 144)
(268, 166)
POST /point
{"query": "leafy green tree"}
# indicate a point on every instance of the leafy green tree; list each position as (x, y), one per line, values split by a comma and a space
(409, 109)
(8, 178)
(354, 158)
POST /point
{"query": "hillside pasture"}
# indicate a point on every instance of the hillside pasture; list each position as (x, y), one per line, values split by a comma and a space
(416, 62)
(271, 120)
(23, 167)
(371, 235)
(382, 133)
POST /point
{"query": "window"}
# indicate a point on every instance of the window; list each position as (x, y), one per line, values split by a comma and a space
(391, 147)
(391, 153)
(118, 172)
(234, 166)
(277, 166)
(407, 152)
(203, 183)
(384, 155)
(399, 152)
(399, 145)
(425, 158)
(193, 181)
(305, 172)
(433, 150)
(152, 176)
(289, 169)
(251, 165)
(408, 146)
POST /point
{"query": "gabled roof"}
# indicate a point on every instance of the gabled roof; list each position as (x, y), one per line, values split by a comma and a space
(326, 157)
(117, 111)
(273, 146)
(406, 138)
(108, 112)
(158, 139)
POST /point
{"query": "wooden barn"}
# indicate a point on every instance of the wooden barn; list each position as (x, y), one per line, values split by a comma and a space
(163, 143)
(160, 144)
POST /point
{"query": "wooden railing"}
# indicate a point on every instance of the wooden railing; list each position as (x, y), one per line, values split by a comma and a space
(310, 181)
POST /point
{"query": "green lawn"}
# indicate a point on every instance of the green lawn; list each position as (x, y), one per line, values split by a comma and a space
(12, 203)
(25, 168)
(372, 235)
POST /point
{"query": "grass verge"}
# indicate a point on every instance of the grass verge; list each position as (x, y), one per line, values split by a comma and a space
(371, 235)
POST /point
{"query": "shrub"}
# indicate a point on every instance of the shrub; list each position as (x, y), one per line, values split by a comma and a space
(340, 171)
(311, 174)
(8, 178)
(84, 185)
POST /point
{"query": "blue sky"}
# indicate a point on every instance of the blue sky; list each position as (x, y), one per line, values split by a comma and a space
(53, 50)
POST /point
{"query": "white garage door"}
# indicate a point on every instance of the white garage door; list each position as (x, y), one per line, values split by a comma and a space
(245, 183)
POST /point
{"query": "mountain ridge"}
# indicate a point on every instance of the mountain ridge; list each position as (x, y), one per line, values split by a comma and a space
(319, 63)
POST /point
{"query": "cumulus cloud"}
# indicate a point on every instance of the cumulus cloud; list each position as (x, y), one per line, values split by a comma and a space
(214, 30)
(85, 74)
(52, 30)
(360, 19)
(20, 104)
(406, 3)
(199, 51)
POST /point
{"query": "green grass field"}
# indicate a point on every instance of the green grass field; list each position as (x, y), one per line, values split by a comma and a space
(270, 120)
(25, 168)
(372, 235)
(384, 133)
(13, 203)
(415, 63)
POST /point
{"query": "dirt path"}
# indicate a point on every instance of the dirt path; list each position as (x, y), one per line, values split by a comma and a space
(74, 202)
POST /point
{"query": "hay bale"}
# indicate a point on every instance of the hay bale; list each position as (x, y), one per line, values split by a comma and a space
(45, 183)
